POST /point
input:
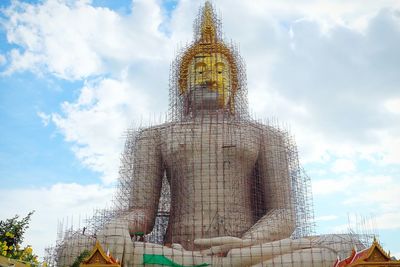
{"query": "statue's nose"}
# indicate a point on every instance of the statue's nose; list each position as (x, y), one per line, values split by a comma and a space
(209, 80)
(208, 75)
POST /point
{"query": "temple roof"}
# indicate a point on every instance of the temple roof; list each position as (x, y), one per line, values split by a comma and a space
(372, 256)
(98, 258)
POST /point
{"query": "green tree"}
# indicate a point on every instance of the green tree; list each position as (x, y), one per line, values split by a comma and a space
(80, 258)
(11, 237)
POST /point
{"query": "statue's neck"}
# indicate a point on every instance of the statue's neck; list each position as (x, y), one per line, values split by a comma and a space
(209, 115)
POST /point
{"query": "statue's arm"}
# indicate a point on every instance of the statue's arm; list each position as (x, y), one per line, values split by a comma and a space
(146, 181)
(273, 171)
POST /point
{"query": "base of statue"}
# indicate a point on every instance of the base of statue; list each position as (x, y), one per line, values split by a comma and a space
(309, 251)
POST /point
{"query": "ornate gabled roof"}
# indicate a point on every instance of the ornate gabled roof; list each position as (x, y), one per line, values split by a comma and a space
(372, 256)
(98, 258)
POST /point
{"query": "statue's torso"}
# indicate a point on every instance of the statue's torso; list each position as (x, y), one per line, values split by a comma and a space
(210, 168)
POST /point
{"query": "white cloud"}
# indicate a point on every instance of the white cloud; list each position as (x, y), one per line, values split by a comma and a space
(24, 61)
(380, 193)
(330, 186)
(3, 59)
(389, 220)
(393, 105)
(326, 218)
(343, 165)
(335, 78)
(96, 122)
(354, 14)
(52, 205)
(389, 147)
(73, 40)
(44, 117)
(354, 184)
(362, 193)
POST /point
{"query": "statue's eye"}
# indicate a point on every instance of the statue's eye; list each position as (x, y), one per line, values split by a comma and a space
(220, 67)
(200, 68)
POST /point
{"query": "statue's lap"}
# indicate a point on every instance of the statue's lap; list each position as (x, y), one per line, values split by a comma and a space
(316, 251)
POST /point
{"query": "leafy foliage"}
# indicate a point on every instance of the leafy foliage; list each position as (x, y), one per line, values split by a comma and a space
(12, 230)
(11, 237)
(80, 258)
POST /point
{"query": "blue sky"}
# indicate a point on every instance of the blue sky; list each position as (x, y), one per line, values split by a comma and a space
(76, 74)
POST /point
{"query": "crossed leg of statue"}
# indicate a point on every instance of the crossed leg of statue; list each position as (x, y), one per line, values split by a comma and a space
(226, 251)
(315, 251)
(279, 253)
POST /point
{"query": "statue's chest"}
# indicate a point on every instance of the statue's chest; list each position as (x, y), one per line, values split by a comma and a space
(210, 142)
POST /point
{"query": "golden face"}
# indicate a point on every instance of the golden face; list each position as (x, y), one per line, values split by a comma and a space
(213, 71)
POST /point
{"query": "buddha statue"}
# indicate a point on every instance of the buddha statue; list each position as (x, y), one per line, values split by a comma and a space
(224, 171)
(231, 179)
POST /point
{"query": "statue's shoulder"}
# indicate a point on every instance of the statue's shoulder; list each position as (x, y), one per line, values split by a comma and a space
(145, 132)
(258, 126)
(155, 130)
(267, 129)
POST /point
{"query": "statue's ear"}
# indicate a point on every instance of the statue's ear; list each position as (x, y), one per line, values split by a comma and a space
(186, 102)
(230, 105)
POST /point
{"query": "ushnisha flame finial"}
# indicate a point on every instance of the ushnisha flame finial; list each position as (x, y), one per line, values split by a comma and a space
(208, 28)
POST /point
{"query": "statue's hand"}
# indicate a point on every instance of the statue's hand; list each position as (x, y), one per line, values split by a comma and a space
(136, 223)
(221, 245)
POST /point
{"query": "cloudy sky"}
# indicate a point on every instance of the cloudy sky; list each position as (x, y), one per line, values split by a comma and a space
(74, 75)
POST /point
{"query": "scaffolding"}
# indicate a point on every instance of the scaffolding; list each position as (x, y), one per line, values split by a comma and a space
(210, 185)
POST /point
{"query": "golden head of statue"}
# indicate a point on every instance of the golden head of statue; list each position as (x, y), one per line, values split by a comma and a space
(208, 70)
